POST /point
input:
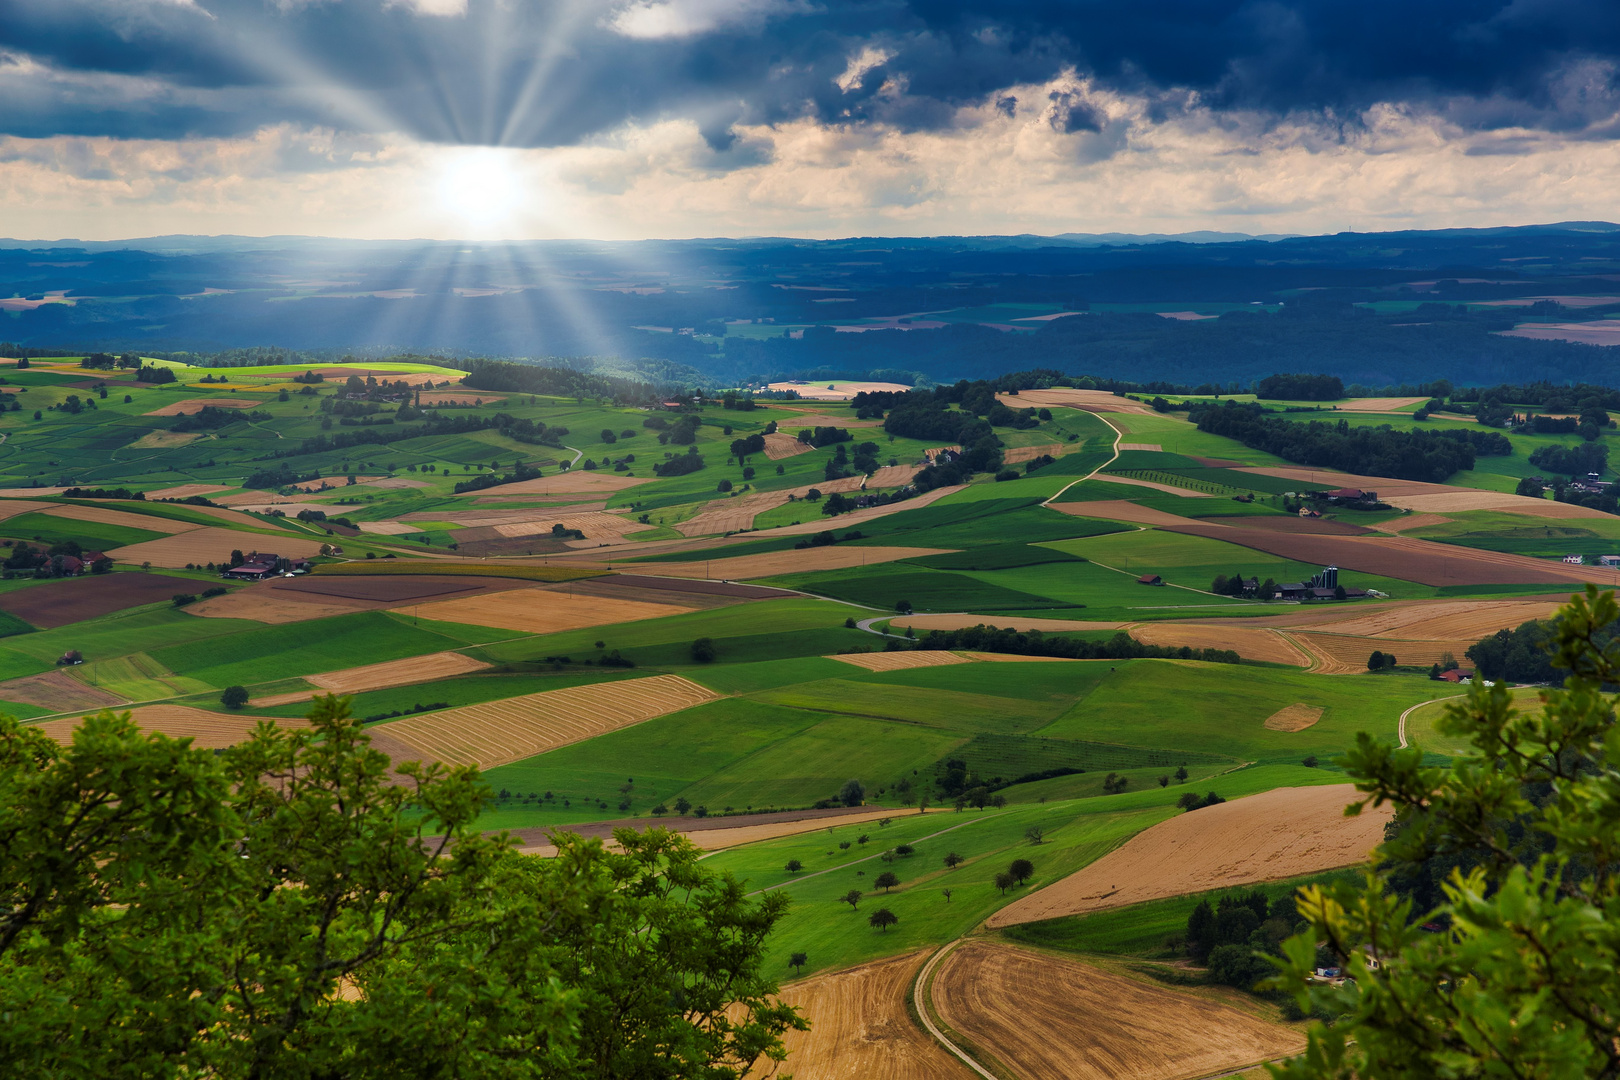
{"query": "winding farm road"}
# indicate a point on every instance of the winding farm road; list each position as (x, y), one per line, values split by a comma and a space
(1401, 729)
(1118, 435)
(919, 997)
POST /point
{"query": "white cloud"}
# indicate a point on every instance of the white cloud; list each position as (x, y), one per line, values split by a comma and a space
(686, 18)
(1391, 167)
(441, 8)
(861, 63)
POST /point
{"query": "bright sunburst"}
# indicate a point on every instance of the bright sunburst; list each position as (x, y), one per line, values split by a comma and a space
(482, 187)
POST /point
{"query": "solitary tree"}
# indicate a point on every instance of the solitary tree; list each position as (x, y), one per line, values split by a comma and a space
(682, 806)
(794, 866)
(797, 961)
(1035, 834)
(1021, 870)
(904, 849)
(853, 793)
(1164, 781)
(1375, 662)
(886, 880)
(863, 838)
(947, 894)
(843, 845)
(883, 918)
(953, 860)
(234, 697)
(1004, 881)
(1181, 775)
(852, 898)
(703, 651)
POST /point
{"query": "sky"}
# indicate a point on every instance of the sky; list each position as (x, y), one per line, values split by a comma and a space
(625, 119)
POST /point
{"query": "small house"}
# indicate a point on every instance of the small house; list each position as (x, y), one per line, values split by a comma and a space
(1307, 512)
(1347, 494)
(1457, 675)
(1609, 560)
(1150, 579)
(1292, 590)
(1575, 560)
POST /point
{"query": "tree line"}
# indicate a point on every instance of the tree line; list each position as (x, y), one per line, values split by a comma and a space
(1121, 646)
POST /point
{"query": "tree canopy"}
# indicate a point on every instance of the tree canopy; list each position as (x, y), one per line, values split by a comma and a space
(290, 907)
(1482, 943)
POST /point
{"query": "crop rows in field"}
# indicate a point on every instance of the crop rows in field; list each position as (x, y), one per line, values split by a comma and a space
(505, 731)
(1009, 756)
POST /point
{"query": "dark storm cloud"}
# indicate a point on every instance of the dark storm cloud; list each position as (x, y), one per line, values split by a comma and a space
(550, 72)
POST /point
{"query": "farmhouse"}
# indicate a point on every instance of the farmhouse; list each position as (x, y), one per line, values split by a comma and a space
(1457, 675)
(1150, 579)
(1575, 560)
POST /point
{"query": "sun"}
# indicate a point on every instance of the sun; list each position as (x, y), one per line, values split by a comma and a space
(482, 187)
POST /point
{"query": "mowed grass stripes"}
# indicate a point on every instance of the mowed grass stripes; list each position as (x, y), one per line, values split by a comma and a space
(505, 731)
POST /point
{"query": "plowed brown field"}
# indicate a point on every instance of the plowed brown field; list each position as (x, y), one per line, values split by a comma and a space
(1403, 557)
(416, 669)
(1249, 642)
(123, 518)
(1294, 717)
(1048, 1018)
(743, 567)
(541, 611)
(898, 661)
(57, 691)
(185, 491)
(1399, 525)
(211, 545)
(860, 1030)
(1380, 404)
(10, 508)
(504, 731)
(207, 730)
(1120, 510)
(71, 600)
(780, 444)
(1283, 833)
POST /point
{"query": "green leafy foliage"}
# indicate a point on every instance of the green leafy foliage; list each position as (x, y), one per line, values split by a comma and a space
(1510, 972)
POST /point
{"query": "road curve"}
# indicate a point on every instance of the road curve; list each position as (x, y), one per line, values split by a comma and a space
(1401, 729)
(919, 997)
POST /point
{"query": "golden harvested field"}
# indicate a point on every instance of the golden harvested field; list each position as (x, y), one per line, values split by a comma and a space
(504, 731)
(162, 440)
(194, 405)
(891, 476)
(207, 730)
(1016, 454)
(540, 611)
(595, 526)
(266, 607)
(272, 700)
(123, 518)
(1455, 502)
(1452, 618)
(1249, 642)
(185, 491)
(1005, 622)
(510, 568)
(779, 445)
(720, 839)
(30, 493)
(1049, 1018)
(1066, 397)
(860, 1030)
(57, 691)
(856, 517)
(10, 508)
(1286, 832)
(386, 528)
(1381, 404)
(1119, 510)
(1340, 654)
(733, 515)
(415, 669)
(743, 567)
(592, 482)
(898, 661)
(1409, 522)
(1014, 658)
(1294, 717)
(211, 545)
(1149, 446)
(1488, 619)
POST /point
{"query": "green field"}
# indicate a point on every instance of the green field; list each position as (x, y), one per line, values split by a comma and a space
(92, 535)
(883, 587)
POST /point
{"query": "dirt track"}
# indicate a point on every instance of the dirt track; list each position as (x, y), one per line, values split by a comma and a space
(1282, 833)
(1049, 1018)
